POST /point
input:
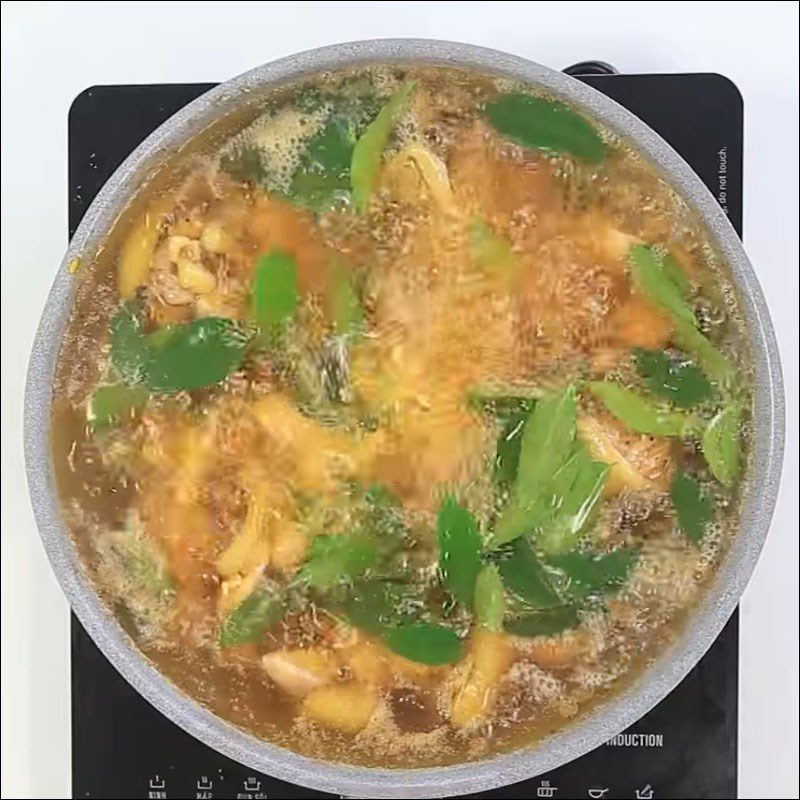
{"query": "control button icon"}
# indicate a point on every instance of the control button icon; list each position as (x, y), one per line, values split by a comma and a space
(158, 788)
(645, 794)
(204, 784)
(596, 794)
(546, 790)
(252, 785)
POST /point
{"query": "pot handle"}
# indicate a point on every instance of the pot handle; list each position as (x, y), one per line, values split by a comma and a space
(591, 68)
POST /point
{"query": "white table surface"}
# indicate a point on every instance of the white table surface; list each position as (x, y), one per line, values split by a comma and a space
(51, 51)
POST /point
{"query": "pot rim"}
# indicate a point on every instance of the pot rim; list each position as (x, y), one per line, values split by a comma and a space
(606, 719)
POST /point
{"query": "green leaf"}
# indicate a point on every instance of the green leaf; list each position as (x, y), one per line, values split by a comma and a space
(357, 99)
(141, 560)
(375, 605)
(692, 506)
(348, 314)
(509, 442)
(489, 598)
(311, 99)
(502, 400)
(424, 643)
(460, 548)
(562, 482)
(546, 442)
(583, 496)
(245, 164)
(679, 381)
(379, 497)
(161, 336)
(129, 351)
(593, 573)
(720, 443)
(383, 516)
(714, 363)
(524, 575)
(545, 125)
(511, 412)
(489, 251)
(248, 621)
(545, 622)
(653, 281)
(334, 559)
(330, 150)
(676, 274)
(368, 150)
(200, 353)
(515, 521)
(547, 439)
(110, 404)
(322, 180)
(577, 490)
(274, 293)
(639, 414)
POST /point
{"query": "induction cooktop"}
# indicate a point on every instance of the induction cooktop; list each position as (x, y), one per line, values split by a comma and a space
(684, 748)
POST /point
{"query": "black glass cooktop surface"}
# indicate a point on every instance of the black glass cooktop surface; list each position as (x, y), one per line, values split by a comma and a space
(684, 748)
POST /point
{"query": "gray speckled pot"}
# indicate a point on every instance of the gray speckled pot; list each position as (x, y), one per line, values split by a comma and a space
(607, 720)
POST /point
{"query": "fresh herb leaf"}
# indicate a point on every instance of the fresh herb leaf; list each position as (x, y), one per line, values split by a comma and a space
(676, 274)
(545, 125)
(509, 442)
(545, 622)
(376, 605)
(679, 381)
(161, 336)
(639, 414)
(384, 509)
(524, 575)
(490, 251)
(348, 313)
(508, 449)
(714, 363)
(356, 99)
(380, 515)
(200, 353)
(322, 180)
(141, 560)
(584, 495)
(129, 351)
(594, 573)
(274, 293)
(335, 559)
(502, 400)
(547, 440)
(368, 150)
(425, 643)
(510, 412)
(489, 598)
(311, 99)
(460, 548)
(653, 281)
(720, 443)
(248, 621)
(692, 506)
(576, 491)
(245, 164)
(110, 404)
